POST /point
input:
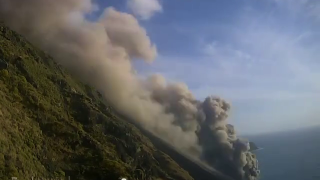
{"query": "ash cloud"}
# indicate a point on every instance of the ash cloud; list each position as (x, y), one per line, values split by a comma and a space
(101, 52)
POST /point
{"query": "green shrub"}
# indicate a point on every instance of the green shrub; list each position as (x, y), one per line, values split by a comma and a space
(4, 73)
(59, 173)
(12, 171)
(23, 80)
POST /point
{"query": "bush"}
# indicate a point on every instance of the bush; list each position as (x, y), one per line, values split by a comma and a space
(59, 173)
(4, 73)
(12, 171)
(22, 80)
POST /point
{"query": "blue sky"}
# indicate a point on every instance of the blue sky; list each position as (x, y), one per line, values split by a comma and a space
(260, 55)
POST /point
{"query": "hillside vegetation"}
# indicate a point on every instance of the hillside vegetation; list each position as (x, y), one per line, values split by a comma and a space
(51, 125)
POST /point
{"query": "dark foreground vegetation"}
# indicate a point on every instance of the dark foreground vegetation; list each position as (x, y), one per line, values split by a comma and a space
(53, 126)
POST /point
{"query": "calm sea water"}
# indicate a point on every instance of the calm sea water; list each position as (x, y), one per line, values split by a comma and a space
(289, 156)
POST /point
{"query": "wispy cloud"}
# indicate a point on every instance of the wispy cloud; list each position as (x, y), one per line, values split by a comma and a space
(144, 9)
(307, 8)
(259, 63)
(284, 71)
(263, 62)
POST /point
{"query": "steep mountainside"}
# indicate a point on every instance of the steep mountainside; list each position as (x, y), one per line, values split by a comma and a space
(52, 125)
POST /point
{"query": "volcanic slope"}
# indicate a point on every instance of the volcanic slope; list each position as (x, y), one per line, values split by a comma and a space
(51, 125)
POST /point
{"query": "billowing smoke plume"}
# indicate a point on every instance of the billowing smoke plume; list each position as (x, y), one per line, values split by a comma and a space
(101, 52)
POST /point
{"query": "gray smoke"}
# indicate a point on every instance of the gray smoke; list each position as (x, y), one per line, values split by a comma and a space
(100, 53)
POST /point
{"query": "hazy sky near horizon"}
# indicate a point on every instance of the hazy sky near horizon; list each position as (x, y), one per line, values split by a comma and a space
(260, 55)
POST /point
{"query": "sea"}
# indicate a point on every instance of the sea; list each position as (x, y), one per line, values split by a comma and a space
(293, 155)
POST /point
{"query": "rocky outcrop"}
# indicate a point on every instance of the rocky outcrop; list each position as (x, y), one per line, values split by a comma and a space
(253, 146)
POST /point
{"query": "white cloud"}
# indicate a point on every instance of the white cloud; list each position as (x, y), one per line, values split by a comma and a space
(144, 9)
(308, 8)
